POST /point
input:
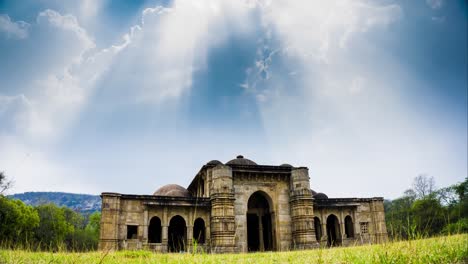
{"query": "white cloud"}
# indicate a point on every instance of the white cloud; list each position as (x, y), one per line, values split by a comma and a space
(339, 115)
(435, 4)
(311, 28)
(54, 101)
(173, 43)
(18, 29)
(168, 46)
(67, 22)
(49, 105)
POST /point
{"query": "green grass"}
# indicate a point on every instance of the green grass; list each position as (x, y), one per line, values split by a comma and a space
(446, 249)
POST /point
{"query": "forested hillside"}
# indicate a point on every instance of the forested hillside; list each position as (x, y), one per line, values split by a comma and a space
(84, 203)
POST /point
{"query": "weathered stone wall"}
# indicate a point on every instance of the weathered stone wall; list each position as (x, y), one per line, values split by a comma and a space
(224, 191)
(110, 212)
(368, 219)
(118, 213)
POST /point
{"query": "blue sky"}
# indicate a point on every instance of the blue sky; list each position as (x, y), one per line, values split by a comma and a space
(127, 96)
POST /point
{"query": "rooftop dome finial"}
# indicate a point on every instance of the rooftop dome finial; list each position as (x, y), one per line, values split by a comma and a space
(240, 160)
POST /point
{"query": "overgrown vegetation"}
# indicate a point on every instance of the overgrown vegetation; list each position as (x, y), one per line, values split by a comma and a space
(45, 227)
(446, 249)
(426, 211)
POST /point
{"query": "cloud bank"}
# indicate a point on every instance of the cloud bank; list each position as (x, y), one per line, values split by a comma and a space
(327, 91)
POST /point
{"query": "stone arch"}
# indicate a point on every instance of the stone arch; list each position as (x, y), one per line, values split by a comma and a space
(349, 226)
(154, 230)
(318, 229)
(260, 223)
(177, 234)
(333, 231)
(199, 230)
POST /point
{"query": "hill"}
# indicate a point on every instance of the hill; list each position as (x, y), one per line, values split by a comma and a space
(84, 203)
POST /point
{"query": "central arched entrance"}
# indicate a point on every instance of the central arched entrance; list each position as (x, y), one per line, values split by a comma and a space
(259, 223)
(177, 234)
(333, 231)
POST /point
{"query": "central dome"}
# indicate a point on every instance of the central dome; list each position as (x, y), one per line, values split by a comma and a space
(173, 190)
(240, 160)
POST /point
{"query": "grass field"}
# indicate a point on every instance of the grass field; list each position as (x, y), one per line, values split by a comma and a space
(448, 249)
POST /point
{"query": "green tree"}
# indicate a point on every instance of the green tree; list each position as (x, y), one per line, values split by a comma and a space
(399, 216)
(428, 215)
(17, 222)
(94, 224)
(53, 227)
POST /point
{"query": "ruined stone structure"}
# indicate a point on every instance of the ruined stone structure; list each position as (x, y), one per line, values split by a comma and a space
(239, 207)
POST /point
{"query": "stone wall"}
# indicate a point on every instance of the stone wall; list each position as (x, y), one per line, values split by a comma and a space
(276, 190)
(219, 194)
(118, 213)
(367, 215)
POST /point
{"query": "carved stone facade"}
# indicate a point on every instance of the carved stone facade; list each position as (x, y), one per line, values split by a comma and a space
(239, 207)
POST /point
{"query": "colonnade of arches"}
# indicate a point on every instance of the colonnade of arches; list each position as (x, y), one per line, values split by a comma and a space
(260, 228)
(176, 232)
(333, 229)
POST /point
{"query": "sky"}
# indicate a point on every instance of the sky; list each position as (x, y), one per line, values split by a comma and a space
(127, 96)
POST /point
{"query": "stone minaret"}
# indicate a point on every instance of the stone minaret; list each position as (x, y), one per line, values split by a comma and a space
(222, 210)
(302, 213)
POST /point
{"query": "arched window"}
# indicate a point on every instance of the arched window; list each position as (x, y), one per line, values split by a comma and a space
(154, 230)
(349, 228)
(318, 228)
(199, 231)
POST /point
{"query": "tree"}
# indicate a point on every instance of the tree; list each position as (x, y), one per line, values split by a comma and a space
(17, 221)
(4, 183)
(53, 227)
(423, 185)
(94, 224)
(428, 215)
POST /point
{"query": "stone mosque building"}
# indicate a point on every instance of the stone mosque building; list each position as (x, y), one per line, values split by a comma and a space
(239, 206)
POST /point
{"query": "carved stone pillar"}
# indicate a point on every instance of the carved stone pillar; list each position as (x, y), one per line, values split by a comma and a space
(222, 210)
(260, 233)
(302, 212)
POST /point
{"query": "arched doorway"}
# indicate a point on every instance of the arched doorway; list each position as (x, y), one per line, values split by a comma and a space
(333, 231)
(259, 223)
(177, 234)
(154, 230)
(318, 229)
(199, 231)
(349, 228)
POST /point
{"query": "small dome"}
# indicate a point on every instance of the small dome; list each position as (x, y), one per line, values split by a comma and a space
(320, 196)
(240, 160)
(214, 162)
(173, 190)
(286, 165)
